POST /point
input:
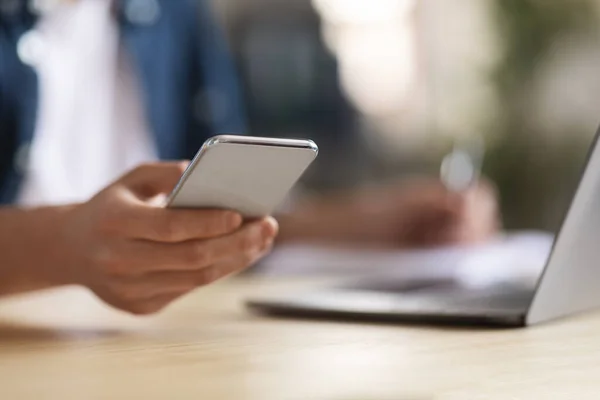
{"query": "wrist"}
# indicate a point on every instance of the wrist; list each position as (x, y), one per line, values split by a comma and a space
(33, 247)
(55, 244)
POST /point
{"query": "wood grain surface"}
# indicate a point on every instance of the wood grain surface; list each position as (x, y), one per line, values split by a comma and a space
(65, 345)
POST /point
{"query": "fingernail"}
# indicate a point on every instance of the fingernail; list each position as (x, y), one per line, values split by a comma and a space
(234, 220)
(269, 228)
(183, 164)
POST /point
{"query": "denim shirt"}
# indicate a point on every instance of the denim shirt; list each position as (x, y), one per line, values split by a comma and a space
(189, 86)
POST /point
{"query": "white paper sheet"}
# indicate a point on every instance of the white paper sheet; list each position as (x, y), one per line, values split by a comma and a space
(516, 255)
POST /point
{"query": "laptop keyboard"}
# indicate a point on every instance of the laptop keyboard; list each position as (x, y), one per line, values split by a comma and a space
(511, 298)
(447, 295)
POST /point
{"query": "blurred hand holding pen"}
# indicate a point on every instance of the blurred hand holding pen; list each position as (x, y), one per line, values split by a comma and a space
(460, 169)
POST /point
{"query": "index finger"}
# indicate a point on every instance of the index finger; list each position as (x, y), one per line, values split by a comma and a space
(177, 225)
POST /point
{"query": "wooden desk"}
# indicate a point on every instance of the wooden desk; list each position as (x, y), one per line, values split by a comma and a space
(208, 347)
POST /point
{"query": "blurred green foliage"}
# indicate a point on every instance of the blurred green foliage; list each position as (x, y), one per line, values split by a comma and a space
(535, 176)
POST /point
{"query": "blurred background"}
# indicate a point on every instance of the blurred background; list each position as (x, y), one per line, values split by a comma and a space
(388, 86)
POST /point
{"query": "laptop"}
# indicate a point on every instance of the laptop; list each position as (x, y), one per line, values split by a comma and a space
(569, 283)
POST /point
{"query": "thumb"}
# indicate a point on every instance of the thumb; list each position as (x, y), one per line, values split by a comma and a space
(149, 180)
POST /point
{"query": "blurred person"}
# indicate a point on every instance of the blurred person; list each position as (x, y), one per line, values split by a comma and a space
(91, 89)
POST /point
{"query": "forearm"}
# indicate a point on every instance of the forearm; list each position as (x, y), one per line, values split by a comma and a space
(308, 222)
(367, 217)
(31, 249)
(326, 219)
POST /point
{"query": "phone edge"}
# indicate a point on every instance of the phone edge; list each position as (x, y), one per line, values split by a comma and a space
(306, 144)
(262, 141)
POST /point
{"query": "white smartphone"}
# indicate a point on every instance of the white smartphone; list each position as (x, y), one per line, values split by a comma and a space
(251, 175)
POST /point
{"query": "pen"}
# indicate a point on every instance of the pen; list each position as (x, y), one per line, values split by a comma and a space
(461, 168)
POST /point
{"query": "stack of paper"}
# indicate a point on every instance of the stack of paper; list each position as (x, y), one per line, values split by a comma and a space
(514, 255)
